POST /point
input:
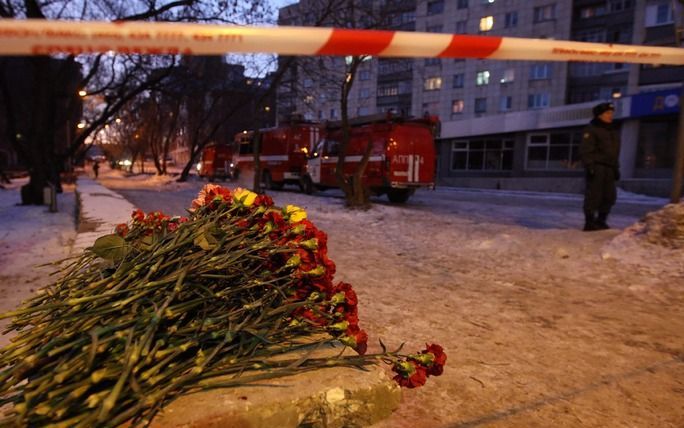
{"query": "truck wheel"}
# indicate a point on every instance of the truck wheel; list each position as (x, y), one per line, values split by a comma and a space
(306, 185)
(266, 180)
(399, 196)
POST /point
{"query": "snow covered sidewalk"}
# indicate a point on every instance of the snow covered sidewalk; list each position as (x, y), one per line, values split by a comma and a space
(101, 210)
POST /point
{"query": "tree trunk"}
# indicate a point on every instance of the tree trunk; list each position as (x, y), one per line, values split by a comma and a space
(360, 197)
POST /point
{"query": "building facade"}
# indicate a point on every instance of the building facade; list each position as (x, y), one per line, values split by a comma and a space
(517, 124)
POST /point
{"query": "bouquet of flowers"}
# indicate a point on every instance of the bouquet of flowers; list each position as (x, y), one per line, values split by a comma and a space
(228, 296)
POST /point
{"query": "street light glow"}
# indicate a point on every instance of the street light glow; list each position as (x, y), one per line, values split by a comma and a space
(81, 125)
(82, 93)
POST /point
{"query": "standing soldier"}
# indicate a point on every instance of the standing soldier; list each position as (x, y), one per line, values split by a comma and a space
(600, 152)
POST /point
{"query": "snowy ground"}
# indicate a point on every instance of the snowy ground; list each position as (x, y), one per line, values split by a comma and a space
(544, 325)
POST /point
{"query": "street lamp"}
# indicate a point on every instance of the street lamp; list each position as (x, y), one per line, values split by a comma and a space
(82, 93)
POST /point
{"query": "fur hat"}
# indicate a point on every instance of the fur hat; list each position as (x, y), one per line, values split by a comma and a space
(599, 109)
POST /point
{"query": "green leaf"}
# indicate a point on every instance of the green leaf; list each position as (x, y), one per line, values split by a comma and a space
(209, 237)
(110, 247)
(206, 241)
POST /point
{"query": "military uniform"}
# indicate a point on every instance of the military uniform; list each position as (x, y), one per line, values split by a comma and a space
(600, 152)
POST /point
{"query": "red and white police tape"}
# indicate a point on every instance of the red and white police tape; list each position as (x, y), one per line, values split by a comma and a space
(40, 37)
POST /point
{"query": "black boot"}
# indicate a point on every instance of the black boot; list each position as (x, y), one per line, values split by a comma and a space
(601, 221)
(589, 221)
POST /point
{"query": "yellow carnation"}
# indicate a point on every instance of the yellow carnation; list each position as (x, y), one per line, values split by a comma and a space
(295, 213)
(246, 197)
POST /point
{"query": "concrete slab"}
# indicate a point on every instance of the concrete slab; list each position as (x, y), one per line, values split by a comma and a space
(326, 398)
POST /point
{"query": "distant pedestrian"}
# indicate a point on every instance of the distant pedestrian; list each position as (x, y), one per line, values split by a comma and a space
(96, 168)
(600, 153)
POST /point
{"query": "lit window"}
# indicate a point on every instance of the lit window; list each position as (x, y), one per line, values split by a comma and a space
(508, 75)
(486, 23)
(432, 83)
(457, 106)
(482, 78)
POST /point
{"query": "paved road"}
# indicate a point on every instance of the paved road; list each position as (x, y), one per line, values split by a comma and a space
(528, 209)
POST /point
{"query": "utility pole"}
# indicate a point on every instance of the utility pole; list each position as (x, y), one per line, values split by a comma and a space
(679, 160)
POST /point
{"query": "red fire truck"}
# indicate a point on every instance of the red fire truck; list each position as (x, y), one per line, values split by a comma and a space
(402, 157)
(216, 162)
(283, 154)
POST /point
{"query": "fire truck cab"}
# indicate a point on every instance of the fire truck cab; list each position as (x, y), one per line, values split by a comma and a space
(402, 156)
(216, 162)
(283, 152)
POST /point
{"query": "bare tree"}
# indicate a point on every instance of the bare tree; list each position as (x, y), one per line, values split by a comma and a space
(336, 76)
(41, 104)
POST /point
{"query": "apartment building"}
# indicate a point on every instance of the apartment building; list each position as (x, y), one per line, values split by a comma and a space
(517, 124)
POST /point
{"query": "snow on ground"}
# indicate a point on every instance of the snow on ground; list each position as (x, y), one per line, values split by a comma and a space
(31, 236)
(544, 325)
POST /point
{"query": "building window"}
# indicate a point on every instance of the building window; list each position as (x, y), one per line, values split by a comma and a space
(388, 91)
(486, 23)
(505, 103)
(462, 4)
(611, 92)
(540, 71)
(435, 29)
(555, 151)
(511, 20)
(308, 83)
(364, 75)
(480, 105)
(539, 100)
(364, 93)
(659, 14)
(333, 113)
(457, 107)
(595, 36)
(435, 7)
(493, 154)
(362, 111)
(431, 108)
(482, 78)
(545, 13)
(432, 61)
(620, 5)
(432, 83)
(461, 27)
(592, 11)
(508, 75)
(458, 80)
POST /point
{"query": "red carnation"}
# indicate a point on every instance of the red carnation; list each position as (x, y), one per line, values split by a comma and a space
(138, 215)
(410, 374)
(439, 361)
(121, 229)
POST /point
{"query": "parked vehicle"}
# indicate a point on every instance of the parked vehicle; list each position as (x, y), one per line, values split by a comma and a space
(402, 156)
(216, 162)
(283, 152)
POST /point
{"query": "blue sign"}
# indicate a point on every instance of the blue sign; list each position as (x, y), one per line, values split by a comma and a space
(656, 103)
